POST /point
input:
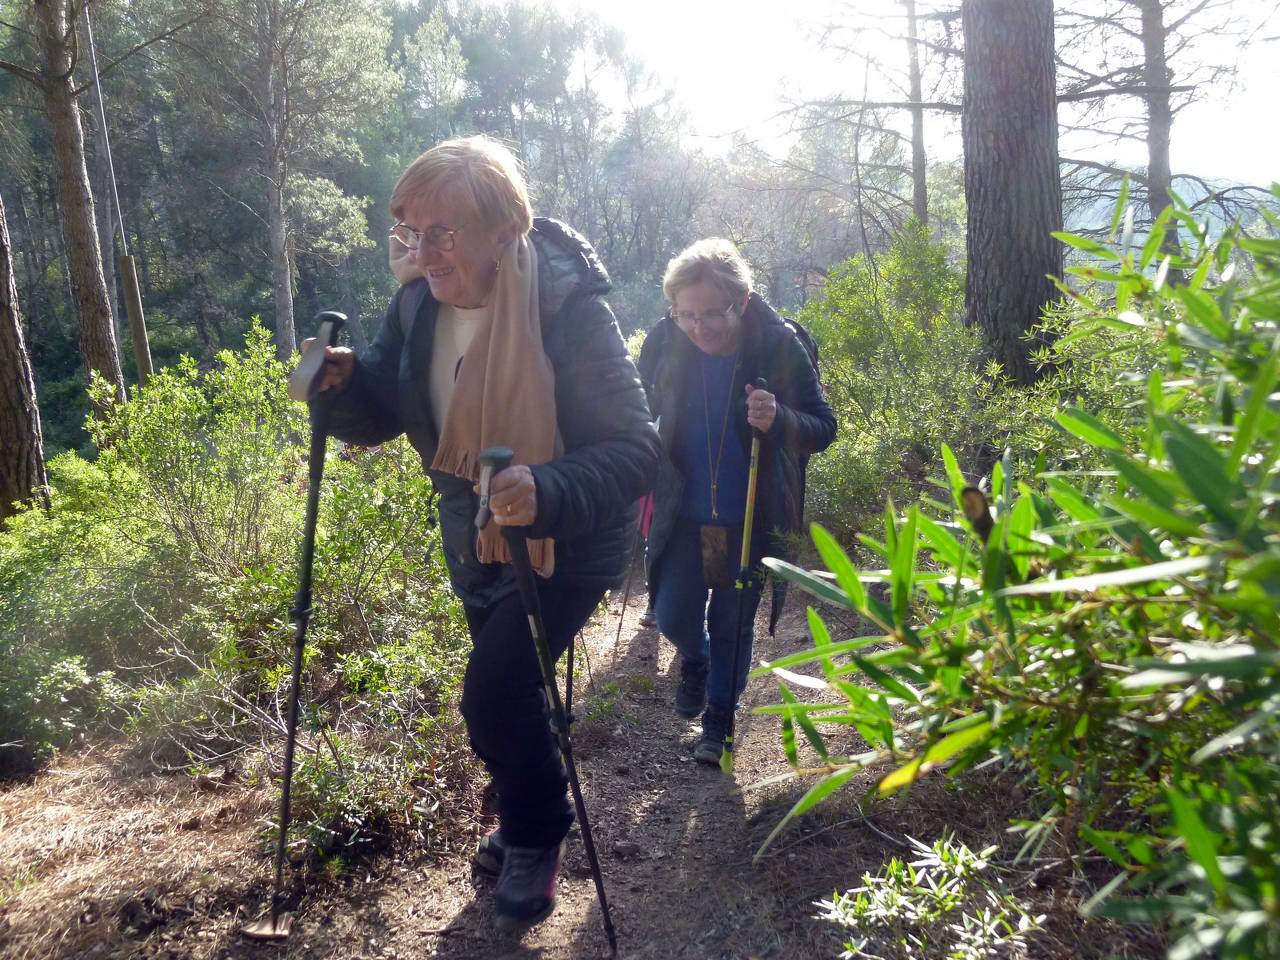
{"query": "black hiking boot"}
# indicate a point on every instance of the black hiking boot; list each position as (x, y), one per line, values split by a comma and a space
(526, 890)
(490, 852)
(691, 695)
(715, 727)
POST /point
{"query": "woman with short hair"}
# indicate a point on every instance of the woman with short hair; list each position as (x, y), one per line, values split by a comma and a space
(501, 336)
(700, 364)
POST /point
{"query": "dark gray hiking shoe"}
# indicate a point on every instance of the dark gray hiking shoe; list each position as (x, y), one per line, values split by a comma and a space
(526, 890)
(490, 852)
(715, 727)
(691, 695)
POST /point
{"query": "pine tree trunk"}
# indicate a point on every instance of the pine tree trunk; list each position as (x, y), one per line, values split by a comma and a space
(22, 472)
(1012, 183)
(919, 165)
(30, 258)
(75, 201)
(1156, 78)
(104, 209)
(281, 273)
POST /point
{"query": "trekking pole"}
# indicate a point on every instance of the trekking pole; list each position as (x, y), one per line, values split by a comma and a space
(744, 573)
(304, 385)
(493, 460)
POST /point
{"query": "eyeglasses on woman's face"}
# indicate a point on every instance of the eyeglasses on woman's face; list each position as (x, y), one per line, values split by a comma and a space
(435, 237)
(709, 319)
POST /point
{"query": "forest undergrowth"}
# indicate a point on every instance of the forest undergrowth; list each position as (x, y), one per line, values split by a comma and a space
(1080, 593)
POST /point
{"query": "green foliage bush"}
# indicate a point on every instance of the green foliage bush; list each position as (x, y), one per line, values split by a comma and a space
(900, 370)
(155, 594)
(1108, 629)
(904, 375)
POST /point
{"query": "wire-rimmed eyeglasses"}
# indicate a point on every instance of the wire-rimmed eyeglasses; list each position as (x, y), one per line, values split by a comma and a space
(712, 318)
(436, 237)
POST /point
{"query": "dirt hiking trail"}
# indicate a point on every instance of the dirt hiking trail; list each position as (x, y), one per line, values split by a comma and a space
(101, 861)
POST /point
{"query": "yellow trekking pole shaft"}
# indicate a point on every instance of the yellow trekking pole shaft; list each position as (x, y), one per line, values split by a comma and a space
(744, 574)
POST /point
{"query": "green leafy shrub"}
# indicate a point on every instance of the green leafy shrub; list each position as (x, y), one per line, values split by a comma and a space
(900, 371)
(1111, 633)
(159, 583)
(905, 375)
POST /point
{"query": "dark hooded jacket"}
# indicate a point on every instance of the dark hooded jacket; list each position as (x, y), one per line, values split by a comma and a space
(610, 446)
(804, 425)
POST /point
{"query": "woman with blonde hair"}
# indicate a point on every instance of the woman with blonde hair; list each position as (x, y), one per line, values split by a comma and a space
(700, 364)
(501, 335)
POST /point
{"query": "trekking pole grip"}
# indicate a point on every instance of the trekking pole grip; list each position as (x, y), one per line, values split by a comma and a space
(760, 384)
(493, 460)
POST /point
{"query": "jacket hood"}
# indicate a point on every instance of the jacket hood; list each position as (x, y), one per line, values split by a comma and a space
(567, 265)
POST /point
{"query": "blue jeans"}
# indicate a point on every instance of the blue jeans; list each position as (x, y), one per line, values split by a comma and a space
(702, 631)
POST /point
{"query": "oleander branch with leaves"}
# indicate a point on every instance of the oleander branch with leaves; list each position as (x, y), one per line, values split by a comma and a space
(1102, 617)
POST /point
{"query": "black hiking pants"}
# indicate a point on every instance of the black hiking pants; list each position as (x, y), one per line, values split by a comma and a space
(506, 712)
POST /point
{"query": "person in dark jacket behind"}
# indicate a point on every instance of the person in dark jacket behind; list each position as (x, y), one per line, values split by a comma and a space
(501, 335)
(699, 365)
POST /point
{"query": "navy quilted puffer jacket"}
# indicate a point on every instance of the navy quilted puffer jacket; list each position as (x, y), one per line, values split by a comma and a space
(611, 448)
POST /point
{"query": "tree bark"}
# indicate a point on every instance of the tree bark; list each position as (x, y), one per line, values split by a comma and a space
(75, 201)
(1157, 78)
(919, 165)
(104, 208)
(281, 271)
(271, 95)
(22, 471)
(1012, 183)
(30, 259)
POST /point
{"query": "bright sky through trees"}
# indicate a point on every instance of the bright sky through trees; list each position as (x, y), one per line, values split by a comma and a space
(736, 63)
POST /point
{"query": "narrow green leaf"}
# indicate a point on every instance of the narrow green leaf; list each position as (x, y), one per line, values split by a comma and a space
(1202, 843)
(887, 681)
(1155, 238)
(838, 563)
(1089, 429)
(903, 776)
(1072, 501)
(801, 657)
(1155, 517)
(903, 568)
(1117, 213)
(1104, 846)
(954, 743)
(1087, 245)
(1259, 392)
(1114, 578)
(806, 724)
(1202, 468)
(808, 582)
(1144, 480)
(788, 730)
(818, 792)
(946, 548)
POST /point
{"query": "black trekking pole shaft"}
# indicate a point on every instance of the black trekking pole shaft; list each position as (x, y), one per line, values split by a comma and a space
(527, 586)
(301, 617)
(321, 405)
(493, 460)
(744, 575)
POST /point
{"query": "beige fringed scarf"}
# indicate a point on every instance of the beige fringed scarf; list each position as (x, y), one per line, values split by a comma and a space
(504, 395)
